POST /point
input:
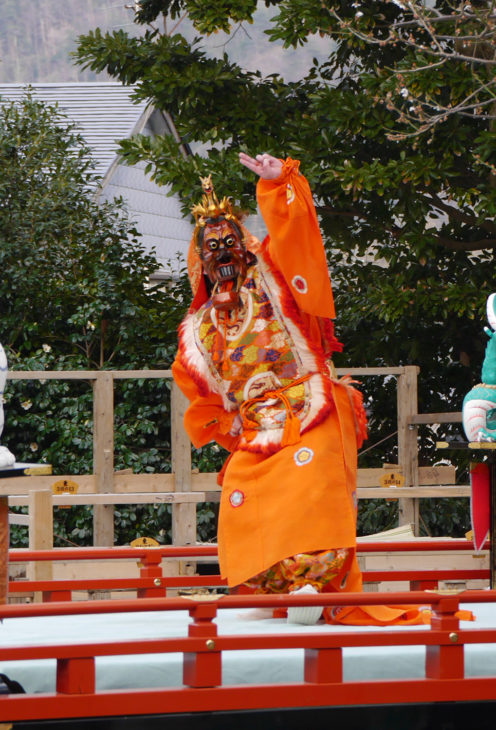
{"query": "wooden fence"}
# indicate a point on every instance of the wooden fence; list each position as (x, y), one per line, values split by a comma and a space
(184, 488)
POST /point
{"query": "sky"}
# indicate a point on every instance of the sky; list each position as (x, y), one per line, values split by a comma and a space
(251, 48)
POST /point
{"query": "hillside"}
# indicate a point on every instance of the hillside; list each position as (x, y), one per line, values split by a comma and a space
(37, 37)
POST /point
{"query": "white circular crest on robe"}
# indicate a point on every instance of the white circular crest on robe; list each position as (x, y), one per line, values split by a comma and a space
(303, 456)
(242, 318)
(236, 498)
(290, 194)
(300, 284)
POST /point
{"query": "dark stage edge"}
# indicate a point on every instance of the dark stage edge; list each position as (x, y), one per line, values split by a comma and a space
(429, 716)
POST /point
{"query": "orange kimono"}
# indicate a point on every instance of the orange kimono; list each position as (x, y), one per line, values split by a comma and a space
(289, 485)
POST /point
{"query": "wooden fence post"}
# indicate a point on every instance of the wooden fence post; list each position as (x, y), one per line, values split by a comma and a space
(407, 406)
(103, 456)
(40, 534)
(183, 515)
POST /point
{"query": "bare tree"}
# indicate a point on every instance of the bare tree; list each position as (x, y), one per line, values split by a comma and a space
(429, 42)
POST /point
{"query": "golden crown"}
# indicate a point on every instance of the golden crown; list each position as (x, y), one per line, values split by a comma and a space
(210, 207)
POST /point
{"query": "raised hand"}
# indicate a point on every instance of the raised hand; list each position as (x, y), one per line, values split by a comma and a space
(266, 166)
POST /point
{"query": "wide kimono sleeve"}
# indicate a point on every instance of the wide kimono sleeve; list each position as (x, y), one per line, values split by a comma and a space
(205, 419)
(295, 244)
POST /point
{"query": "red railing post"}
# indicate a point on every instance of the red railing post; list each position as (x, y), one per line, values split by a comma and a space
(445, 661)
(424, 585)
(51, 596)
(204, 668)
(151, 568)
(76, 675)
(323, 665)
(4, 548)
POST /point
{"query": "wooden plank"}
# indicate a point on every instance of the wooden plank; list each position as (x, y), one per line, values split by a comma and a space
(52, 375)
(413, 492)
(144, 483)
(40, 533)
(426, 475)
(200, 482)
(87, 483)
(366, 478)
(103, 432)
(129, 498)
(193, 498)
(180, 443)
(205, 482)
(95, 569)
(123, 483)
(17, 519)
(184, 524)
(141, 374)
(103, 456)
(25, 485)
(428, 418)
(85, 374)
(407, 407)
(147, 374)
(183, 515)
(436, 475)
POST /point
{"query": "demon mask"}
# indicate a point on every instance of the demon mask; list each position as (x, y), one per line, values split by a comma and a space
(219, 242)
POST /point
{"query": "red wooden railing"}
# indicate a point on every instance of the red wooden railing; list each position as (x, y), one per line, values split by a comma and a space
(152, 583)
(202, 650)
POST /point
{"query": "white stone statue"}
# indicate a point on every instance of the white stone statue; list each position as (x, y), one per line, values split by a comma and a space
(6, 457)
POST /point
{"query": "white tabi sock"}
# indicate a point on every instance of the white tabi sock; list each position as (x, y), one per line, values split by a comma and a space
(308, 615)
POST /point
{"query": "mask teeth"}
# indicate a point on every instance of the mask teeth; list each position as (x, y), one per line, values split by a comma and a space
(226, 270)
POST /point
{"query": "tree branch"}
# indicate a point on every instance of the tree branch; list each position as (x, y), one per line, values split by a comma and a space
(455, 245)
(457, 214)
(328, 210)
(451, 243)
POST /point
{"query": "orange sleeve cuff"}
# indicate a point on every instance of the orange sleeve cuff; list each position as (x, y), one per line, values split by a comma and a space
(205, 419)
(296, 245)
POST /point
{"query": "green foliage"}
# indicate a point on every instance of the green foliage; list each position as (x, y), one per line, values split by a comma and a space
(206, 19)
(74, 295)
(445, 517)
(74, 272)
(376, 515)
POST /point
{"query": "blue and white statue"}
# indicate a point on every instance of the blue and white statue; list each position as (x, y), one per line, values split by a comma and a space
(479, 405)
(6, 457)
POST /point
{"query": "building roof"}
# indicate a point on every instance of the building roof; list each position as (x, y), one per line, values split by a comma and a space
(105, 114)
